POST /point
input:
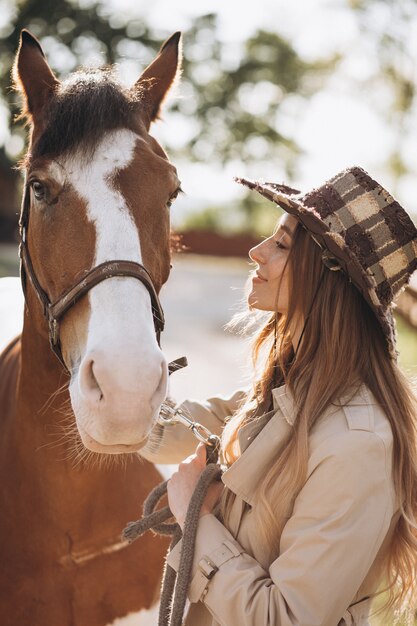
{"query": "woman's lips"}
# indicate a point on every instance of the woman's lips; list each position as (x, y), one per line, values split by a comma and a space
(258, 278)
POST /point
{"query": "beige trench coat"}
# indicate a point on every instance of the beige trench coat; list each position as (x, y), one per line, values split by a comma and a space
(333, 545)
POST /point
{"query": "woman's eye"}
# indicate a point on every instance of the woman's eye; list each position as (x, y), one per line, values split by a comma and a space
(38, 190)
(279, 245)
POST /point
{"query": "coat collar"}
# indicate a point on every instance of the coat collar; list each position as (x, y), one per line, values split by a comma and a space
(282, 399)
(261, 439)
(246, 473)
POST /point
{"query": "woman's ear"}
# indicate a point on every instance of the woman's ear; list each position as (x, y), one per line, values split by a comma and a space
(33, 77)
(159, 77)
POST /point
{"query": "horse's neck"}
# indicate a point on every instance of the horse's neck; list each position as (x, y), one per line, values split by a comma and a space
(41, 376)
(41, 436)
(45, 484)
(58, 512)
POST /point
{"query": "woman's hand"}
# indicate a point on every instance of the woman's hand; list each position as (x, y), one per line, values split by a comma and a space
(183, 482)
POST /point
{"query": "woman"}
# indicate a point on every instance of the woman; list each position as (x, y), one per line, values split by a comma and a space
(317, 508)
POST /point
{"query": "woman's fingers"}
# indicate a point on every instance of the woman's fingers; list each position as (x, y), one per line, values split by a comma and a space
(201, 454)
(183, 482)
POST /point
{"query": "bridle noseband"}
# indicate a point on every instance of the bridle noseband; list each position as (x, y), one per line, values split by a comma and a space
(55, 311)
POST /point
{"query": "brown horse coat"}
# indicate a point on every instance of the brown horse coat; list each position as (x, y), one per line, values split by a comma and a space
(63, 563)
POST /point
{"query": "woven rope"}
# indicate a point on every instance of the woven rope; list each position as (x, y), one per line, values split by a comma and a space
(174, 586)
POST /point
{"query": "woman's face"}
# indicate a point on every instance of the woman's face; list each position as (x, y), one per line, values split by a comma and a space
(271, 255)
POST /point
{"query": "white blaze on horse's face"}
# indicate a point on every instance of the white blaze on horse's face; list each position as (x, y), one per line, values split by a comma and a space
(122, 378)
(108, 340)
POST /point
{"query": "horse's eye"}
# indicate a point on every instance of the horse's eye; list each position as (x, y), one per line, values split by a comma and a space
(174, 196)
(39, 190)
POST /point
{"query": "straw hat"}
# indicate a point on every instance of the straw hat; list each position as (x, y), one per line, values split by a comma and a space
(362, 231)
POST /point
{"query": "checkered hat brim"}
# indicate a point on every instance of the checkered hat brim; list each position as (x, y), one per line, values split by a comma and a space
(356, 221)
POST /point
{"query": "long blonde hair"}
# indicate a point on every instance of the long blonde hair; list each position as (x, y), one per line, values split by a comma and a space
(343, 346)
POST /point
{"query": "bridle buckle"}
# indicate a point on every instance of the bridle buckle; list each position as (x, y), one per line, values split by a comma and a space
(53, 330)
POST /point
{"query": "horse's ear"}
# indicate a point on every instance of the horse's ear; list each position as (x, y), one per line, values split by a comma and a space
(159, 76)
(32, 75)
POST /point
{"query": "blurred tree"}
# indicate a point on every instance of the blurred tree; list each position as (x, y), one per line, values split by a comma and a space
(72, 33)
(233, 103)
(232, 98)
(234, 94)
(388, 29)
(255, 217)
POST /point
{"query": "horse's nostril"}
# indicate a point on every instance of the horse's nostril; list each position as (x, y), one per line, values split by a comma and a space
(94, 382)
(89, 385)
(108, 386)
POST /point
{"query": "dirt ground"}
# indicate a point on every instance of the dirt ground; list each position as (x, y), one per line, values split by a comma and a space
(201, 295)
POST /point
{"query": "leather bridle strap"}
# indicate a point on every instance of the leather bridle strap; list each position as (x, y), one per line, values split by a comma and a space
(109, 269)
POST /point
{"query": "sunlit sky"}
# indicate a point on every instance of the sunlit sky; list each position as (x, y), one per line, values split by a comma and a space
(339, 126)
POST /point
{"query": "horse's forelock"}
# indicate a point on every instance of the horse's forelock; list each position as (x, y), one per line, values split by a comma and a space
(87, 105)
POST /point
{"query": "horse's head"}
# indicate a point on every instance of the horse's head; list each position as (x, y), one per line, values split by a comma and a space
(99, 188)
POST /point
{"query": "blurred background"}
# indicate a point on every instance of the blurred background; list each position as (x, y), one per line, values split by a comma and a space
(285, 91)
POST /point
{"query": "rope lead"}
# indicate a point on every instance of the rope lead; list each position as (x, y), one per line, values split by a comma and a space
(175, 586)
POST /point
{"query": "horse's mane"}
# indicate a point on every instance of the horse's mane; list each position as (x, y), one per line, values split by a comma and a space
(86, 105)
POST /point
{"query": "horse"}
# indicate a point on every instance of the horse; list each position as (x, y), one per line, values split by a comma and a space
(95, 251)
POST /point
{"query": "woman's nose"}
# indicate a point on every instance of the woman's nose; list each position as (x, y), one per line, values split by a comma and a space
(255, 254)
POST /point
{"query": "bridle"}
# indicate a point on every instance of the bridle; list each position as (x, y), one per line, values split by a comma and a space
(55, 311)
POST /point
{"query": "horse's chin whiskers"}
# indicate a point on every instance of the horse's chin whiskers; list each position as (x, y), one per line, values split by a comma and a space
(81, 456)
(63, 432)
(53, 397)
(154, 441)
(67, 436)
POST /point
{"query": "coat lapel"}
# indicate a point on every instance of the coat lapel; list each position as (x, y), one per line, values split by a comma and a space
(259, 442)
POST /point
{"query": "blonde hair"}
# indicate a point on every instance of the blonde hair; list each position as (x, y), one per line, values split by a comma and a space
(341, 318)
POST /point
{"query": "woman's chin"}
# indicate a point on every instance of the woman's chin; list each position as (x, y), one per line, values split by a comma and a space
(255, 303)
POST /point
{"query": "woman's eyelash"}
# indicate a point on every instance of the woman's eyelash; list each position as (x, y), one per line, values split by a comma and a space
(279, 245)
